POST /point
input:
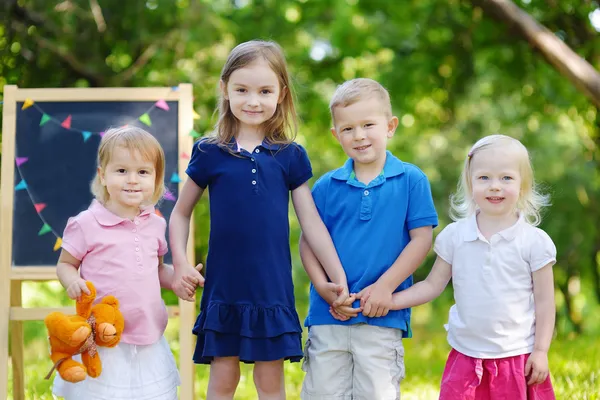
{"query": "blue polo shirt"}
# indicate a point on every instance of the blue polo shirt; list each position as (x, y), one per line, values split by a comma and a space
(369, 225)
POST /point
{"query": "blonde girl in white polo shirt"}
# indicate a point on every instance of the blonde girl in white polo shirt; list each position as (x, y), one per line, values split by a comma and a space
(501, 326)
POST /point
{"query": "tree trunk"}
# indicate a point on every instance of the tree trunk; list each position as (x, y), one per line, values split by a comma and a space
(557, 53)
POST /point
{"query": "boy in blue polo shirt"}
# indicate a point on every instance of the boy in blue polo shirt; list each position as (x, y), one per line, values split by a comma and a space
(380, 214)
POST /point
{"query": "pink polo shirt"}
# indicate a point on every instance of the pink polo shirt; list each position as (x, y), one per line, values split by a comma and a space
(120, 257)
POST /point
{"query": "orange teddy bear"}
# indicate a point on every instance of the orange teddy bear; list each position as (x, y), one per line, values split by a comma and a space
(94, 325)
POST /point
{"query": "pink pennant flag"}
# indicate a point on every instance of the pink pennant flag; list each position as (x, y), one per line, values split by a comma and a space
(21, 160)
(185, 156)
(101, 134)
(66, 123)
(39, 207)
(169, 196)
(162, 104)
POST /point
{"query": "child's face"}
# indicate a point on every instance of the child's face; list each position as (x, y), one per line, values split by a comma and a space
(496, 179)
(129, 180)
(363, 130)
(253, 93)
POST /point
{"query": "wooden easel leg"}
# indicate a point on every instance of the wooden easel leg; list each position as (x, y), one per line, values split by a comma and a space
(16, 345)
(187, 317)
(4, 324)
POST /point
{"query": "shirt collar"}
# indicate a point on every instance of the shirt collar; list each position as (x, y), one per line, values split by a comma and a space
(392, 167)
(107, 218)
(472, 230)
(232, 145)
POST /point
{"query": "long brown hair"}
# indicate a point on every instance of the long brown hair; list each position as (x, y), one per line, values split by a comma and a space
(282, 127)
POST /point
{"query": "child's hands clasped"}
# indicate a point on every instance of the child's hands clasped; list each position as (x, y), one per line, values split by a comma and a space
(375, 301)
(76, 287)
(338, 298)
(537, 367)
(186, 281)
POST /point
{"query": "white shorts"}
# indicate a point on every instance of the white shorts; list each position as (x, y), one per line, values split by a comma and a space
(128, 372)
(353, 362)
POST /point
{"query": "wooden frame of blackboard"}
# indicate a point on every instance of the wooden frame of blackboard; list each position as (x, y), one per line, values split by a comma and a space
(12, 314)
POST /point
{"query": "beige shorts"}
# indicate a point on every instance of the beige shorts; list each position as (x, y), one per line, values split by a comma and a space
(353, 362)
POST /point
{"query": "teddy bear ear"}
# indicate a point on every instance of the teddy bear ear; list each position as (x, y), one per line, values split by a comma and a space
(111, 301)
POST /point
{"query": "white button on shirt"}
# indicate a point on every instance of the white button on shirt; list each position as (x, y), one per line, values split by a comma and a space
(494, 314)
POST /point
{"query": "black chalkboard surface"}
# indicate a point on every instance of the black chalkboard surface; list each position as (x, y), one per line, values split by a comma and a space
(55, 154)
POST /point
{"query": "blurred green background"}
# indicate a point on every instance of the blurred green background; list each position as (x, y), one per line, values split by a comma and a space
(454, 73)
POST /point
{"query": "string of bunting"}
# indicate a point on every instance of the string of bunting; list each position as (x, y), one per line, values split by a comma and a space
(86, 134)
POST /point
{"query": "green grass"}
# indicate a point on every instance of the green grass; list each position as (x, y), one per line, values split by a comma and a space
(574, 362)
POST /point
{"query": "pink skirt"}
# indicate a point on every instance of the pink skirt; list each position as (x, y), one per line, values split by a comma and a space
(468, 378)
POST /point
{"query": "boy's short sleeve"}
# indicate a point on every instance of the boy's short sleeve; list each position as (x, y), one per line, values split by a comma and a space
(319, 191)
(543, 250)
(163, 248)
(197, 168)
(421, 211)
(73, 240)
(300, 168)
(444, 243)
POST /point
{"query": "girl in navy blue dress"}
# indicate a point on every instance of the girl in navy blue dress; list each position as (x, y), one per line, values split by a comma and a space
(250, 165)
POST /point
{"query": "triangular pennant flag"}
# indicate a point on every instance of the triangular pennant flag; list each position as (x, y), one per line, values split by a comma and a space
(21, 185)
(175, 178)
(169, 196)
(58, 244)
(185, 156)
(39, 207)
(45, 118)
(157, 212)
(194, 134)
(86, 135)
(28, 103)
(195, 114)
(145, 118)
(101, 134)
(66, 123)
(21, 160)
(45, 229)
(174, 88)
(162, 104)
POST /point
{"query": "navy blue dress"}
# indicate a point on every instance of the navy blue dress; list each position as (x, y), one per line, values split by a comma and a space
(248, 308)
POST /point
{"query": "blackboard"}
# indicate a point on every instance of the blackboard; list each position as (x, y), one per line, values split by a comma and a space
(57, 164)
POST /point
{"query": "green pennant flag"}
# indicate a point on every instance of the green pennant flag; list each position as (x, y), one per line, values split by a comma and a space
(45, 118)
(45, 229)
(194, 134)
(145, 118)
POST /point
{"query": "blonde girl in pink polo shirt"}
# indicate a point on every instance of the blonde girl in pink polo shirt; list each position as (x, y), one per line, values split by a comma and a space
(500, 264)
(118, 244)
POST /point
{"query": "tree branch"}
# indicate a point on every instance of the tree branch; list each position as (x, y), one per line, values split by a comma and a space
(585, 78)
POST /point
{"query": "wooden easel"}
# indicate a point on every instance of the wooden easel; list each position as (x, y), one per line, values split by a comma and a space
(12, 314)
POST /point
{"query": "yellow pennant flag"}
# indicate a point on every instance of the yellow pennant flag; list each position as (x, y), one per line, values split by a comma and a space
(195, 114)
(58, 244)
(26, 104)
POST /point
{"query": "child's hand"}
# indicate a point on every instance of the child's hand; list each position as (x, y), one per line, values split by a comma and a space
(537, 367)
(345, 311)
(335, 294)
(76, 287)
(375, 301)
(186, 280)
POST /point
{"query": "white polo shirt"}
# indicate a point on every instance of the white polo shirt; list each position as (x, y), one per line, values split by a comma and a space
(494, 314)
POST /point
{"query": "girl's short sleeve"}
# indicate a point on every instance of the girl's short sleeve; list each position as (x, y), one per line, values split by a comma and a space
(543, 251)
(162, 241)
(444, 243)
(197, 168)
(300, 168)
(73, 240)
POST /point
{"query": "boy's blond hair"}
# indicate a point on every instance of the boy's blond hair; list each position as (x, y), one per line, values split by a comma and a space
(133, 139)
(358, 89)
(530, 200)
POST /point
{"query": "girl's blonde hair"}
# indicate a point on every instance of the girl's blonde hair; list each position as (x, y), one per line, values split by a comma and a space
(283, 125)
(530, 200)
(133, 139)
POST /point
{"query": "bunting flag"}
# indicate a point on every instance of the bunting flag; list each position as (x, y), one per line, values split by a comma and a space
(145, 118)
(66, 123)
(86, 135)
(21, 185)
(101, 134)
(58, 244)
(169, 196)
(28, 103)
(195, 114)
(157, 212)
(194, 134)
(162, 105)
(185, 156)
(21, 160)
(45, 229)
(175, 178)
(45, 118)
(39, 207)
